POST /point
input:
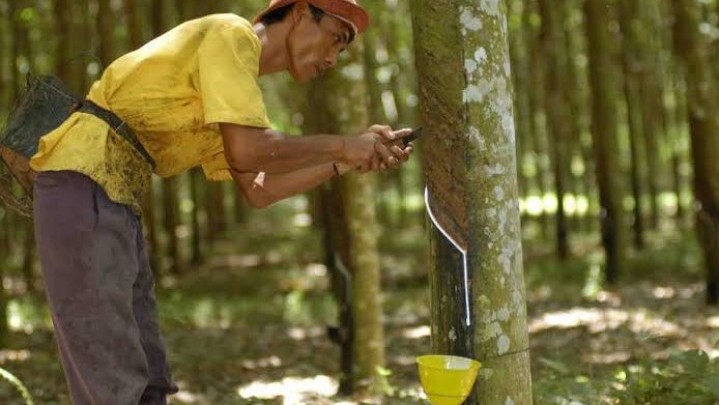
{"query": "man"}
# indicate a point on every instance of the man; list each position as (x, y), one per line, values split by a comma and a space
(187, 98)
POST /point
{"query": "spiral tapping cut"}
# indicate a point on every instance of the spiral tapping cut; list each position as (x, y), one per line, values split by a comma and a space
(458, 247)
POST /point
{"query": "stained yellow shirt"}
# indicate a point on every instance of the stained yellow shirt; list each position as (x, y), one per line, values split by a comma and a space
(173, 93)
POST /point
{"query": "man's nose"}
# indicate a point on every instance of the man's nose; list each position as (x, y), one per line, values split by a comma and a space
(331, 59)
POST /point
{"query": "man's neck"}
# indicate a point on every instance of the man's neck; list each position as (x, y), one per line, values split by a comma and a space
(274, 57)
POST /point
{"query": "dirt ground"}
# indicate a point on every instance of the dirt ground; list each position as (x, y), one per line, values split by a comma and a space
(250, 328)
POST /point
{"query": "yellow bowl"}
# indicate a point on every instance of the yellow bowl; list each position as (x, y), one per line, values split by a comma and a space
(447, 380)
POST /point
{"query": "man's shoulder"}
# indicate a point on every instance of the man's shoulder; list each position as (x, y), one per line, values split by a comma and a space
(226, 20)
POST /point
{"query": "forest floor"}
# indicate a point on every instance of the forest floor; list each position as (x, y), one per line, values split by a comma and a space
(249, 326)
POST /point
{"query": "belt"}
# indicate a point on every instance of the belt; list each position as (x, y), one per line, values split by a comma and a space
(118, 125)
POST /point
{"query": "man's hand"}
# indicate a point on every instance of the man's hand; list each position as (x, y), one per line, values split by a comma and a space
(390, 151)
(380, 148)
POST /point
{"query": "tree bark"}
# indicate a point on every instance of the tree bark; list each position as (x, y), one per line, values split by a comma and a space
(555, 107)
(632, 94)
(470, 157)
(105, 27)
(703, 113)
(350, 97)
(604, 132)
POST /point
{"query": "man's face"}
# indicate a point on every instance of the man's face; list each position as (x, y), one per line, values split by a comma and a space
(314, 46)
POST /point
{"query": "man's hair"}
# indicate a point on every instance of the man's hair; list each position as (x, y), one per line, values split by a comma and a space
(279, 15)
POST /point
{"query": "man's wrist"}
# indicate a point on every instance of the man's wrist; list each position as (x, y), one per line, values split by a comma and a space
(340, 168)
(341, 151)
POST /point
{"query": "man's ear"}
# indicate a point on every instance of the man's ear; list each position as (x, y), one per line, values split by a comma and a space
(299, 11)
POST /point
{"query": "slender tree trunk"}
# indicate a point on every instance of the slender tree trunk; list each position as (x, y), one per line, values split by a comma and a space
(520, 81)
(4, 262)
(331, 213)
(604, 132)
(149, 221)
(4, 62)
(358, 195)
(648, 50)
(470, 157)
(170, 221)
(28, 260)
(105, 27)
(537, 128)
(196, 255)
(704, 126)
(557, 115)
(376, 109)
(63, 13)
(632, 94)
(133, 28)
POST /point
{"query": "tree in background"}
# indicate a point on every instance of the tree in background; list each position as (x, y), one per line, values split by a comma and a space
(602, 75)
(703, 110)
(466, 104)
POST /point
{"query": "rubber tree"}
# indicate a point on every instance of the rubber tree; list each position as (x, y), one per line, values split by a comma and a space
(557, 111)
(602, 78)
(703, 112)
(465, 83)
(355, 232)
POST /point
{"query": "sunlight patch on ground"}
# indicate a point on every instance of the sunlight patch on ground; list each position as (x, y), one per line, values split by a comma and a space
(185, 397)
(713, 322)
(608, 358)
(296, 333)
(417, 332)
(267, 362)
(17, 320)
(292, 389)
(13, 355)
(599, 320)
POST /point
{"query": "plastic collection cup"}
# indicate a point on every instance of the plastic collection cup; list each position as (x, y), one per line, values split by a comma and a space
(447, 380)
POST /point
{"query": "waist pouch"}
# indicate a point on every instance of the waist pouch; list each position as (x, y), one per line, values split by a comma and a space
(44, 105)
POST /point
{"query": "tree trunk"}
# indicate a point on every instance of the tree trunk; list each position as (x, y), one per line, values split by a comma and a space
(196, 254)
(133, 29)
(28, 260)
(648, 50)
(470, 159)
(704, 127)
(105, 27)
(520, 81)
(4, 262)
(170, 221)
(329, 211)
(632, 94)
(604, 132)
(348, 95)
(537, 129)
(555, 106)
(63, 13)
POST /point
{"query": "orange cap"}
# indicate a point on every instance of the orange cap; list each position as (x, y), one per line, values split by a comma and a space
(346, 10)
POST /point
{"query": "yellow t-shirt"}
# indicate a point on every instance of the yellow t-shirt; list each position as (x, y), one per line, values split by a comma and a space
(173, 93)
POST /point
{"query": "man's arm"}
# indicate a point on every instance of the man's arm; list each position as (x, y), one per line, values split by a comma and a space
(264, 189)
(249, 149)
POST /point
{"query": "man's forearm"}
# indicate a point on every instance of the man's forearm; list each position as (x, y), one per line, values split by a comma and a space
(273, 153)
(264, 189)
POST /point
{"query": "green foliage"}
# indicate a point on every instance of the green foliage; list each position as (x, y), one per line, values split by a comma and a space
(559, 385)
(689, 377)
(7, 376)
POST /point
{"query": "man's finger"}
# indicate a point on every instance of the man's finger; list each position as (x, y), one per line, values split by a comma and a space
(399, 153)
(384, 131)
(387, 155)
(401, 133)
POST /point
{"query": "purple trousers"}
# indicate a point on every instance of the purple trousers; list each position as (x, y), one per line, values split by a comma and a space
(100, 291)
